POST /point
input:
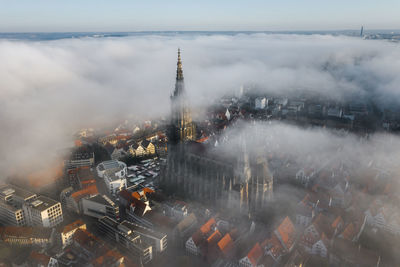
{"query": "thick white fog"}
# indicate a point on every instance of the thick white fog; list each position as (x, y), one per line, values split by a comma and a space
(50, 89)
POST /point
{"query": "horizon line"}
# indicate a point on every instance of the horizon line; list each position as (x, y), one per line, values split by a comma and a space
(216, 31)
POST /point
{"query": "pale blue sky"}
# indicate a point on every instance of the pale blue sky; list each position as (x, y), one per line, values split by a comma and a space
(132, 15)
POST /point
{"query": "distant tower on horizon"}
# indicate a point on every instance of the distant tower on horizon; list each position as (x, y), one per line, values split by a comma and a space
(182, 126)
(362, 31)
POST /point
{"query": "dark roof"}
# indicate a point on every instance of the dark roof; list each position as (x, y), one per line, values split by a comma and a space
(90, 242)
(110, 222)
(140, 207)
(135, 145)
(42, 203)
(145, 143)
(348, 252)
(17, 231)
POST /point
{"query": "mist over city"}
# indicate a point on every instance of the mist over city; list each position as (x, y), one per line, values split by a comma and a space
(108, 80)
(216, 134)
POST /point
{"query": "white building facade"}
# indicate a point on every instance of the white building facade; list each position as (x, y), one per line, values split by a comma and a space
(43, 212)
(114, 173)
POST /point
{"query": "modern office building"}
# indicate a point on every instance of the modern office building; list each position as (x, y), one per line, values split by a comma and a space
(129, 239)
(114, 174)
(19, 207)
(80, 159)
(99, 206)
(43, 211)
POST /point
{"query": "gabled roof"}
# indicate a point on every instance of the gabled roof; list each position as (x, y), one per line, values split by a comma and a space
(226, 245)
(186, 222)
(109, 147)
(147, 190)
(336, 223)
(136, 195)
(325, 240)
(145, 143)
(197, 237)
(287, 233)
(255, 254)
(322, 225)
(134, 146)
(214, 237)
(274, 246)
(140, 207)
(349, 232)
(206, 228)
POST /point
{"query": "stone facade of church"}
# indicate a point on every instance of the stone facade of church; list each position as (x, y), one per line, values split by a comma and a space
(196, 171)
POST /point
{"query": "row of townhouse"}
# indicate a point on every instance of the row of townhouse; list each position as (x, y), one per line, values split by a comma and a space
(270, 252)
(383, 215)
(214, 242)
(139, 149)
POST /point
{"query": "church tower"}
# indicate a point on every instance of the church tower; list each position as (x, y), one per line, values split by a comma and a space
(182, 127)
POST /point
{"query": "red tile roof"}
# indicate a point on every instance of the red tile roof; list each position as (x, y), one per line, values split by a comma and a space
(336, 223)
(255, 254)
(108, 259)
(287, 233)
(275, 246)
(90, 190)
(323, 225)
(39, 258)
(202, 139)
(214, 237)
(226, 245)
(147, 190)
(88, 182)
(349, 232)
(206, 228)
(136, 195)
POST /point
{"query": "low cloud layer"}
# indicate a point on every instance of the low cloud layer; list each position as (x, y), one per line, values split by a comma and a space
(315, 147)
(50, 89)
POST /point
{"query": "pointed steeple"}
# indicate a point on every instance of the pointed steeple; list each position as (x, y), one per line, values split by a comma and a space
(179, 70)
(183, 128)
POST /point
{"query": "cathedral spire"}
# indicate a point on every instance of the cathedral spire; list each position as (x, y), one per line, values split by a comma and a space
(179, 71)
(182, 126)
